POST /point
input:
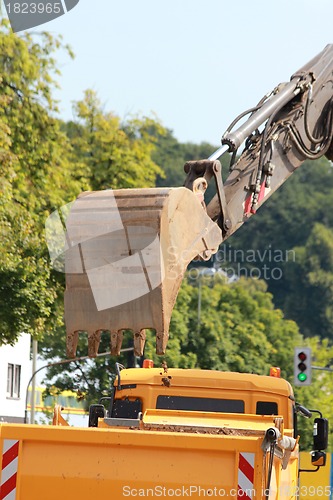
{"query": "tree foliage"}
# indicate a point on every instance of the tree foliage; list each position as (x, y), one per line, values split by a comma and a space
(35, 176)
(114, 154)
(46, 164)
(310, 284)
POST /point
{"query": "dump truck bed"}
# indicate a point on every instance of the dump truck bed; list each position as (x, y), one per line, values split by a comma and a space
(71, 463)
(48, 462)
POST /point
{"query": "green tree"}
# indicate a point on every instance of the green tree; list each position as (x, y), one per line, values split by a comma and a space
(114, 154)
(310, 284)
(46, 164)
(241, 330)
(35, 175)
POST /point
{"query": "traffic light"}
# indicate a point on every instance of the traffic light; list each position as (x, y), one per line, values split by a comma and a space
(302, 366)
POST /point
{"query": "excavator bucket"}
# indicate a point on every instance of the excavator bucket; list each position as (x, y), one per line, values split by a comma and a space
(126, 255)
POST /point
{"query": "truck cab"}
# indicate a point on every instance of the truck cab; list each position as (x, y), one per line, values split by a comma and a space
(137, 390)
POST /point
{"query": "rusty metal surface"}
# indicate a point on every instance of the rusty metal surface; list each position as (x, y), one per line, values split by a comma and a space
(127, 254)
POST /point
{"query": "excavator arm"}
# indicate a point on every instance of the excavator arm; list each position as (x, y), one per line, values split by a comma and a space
(127, 250)
(297, 124)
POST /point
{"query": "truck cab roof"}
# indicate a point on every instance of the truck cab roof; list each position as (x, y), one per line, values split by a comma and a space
(205, 379)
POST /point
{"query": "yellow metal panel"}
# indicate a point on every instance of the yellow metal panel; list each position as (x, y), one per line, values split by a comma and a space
(88, 463)
(207, 378)
(314, 485)
(288, 484)
(73, 463)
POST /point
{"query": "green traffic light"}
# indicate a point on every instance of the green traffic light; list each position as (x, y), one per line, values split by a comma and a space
(302, 377)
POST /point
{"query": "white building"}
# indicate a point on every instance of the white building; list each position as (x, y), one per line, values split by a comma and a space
(15, 372)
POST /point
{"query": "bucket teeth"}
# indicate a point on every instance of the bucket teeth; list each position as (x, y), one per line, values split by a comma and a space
(125, 257)
(161, 342)
(72, 341)
(139, 342)
(94, 339)
(116, 342)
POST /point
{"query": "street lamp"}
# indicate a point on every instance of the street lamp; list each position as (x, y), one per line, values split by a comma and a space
(61, 362)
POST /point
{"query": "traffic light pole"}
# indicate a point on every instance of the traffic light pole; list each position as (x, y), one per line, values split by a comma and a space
(323, 368)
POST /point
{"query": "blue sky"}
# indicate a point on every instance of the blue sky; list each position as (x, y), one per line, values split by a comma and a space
(195, 64)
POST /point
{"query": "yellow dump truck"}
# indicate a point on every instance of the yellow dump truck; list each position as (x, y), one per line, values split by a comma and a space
(166, 433)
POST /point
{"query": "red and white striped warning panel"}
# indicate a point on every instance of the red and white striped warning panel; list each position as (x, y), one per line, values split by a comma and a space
(9, 469)
(246, 476)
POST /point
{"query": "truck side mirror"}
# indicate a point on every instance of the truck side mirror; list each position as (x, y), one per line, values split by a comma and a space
(318, 458)
(320, 434)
